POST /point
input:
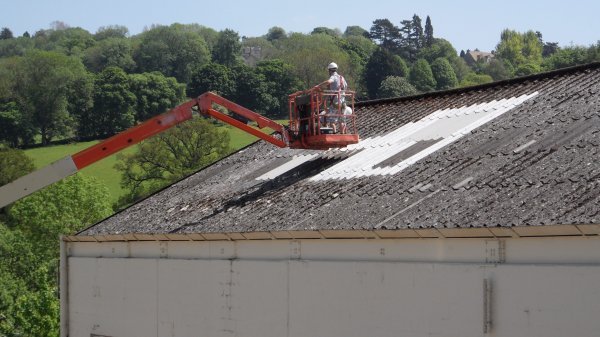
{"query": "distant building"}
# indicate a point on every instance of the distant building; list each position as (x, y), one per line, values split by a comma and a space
(252, 55)
(474, 56)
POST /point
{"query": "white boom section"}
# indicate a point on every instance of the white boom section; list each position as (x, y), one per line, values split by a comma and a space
(36, 180)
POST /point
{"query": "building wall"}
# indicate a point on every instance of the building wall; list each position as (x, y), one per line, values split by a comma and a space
(403, 287)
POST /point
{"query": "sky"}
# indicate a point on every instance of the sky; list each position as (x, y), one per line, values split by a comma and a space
(466, 24)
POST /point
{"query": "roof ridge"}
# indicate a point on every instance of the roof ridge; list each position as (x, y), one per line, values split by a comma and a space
(522, 79)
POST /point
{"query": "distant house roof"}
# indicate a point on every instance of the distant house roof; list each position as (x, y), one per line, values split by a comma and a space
(474, 56)
(517, 153)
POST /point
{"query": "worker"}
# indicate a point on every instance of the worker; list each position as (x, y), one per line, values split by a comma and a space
(336, 85)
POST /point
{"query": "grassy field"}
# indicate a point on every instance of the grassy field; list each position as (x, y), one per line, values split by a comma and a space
(104, 170)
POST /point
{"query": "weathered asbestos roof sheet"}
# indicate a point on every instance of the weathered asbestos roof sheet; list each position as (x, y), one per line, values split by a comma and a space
(516, 153)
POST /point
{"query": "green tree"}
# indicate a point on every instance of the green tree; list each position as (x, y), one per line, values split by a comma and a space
(42, 85)
(566, 57)
(111, 32)
(15, 128)
(310, 55)
(227, 50)
(438, 48)
(382, 64)
(421, 76)
(276, 34)
(355, 31)
(169, 156)
(109, 52)
(81, 104)
(59, 209)
(335, 32)
(212, 77)
(475, 79)
(497, 69)
(15, 47)
(113, 103)
(527, 69)
(461, 69)
(444, 74)
(173, 51)
(252, 90)
(155, 94)
(66, 40)
(428, 38)
(14, 163)
(395, 86)
(385, 34)
(518, 49)
(6, 34)
(281, 82)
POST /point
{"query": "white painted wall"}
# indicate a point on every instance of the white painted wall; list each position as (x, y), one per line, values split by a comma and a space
(426, 287)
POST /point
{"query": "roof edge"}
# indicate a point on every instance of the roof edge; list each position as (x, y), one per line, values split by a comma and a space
(543, 75)
(405, 233)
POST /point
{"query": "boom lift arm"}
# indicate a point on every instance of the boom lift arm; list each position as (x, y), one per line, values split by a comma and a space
(305, 132)
(69, 165)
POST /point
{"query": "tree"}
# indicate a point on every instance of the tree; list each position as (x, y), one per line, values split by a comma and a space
(113, 103)
(13, 164)
(518, 49)
(566, 57)
(110, 32)
(276, 34)
(310, 54)
(15, 47)
(439, 48)
(109, 52)
(475, 79)
(154, 94)
(428, 39)
(6, 34)
(252, 90)
(510, 47)
(444, 74)
(335, 32)
(527, 69)
(395, 86)
(66, 40)
(173, 51)
(212, 77)
(461, 69)
(42, 85)
(227, 50)
(281, 82)
(15, 129)
(416, 36)
(382, 64)
(497, 69)
(171, 155)
(59, 209)
(385, 34)
(81, 103)
(355, 31)
(421, 76)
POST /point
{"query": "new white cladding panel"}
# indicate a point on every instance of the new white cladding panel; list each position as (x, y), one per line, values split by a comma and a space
(448, 125)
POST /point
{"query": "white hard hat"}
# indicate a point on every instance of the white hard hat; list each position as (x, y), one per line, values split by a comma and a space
(332, 65)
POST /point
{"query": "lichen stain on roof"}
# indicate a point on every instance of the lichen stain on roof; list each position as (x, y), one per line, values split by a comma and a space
(521, 152)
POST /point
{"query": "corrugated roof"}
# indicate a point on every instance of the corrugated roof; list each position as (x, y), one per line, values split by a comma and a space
(516, 153)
